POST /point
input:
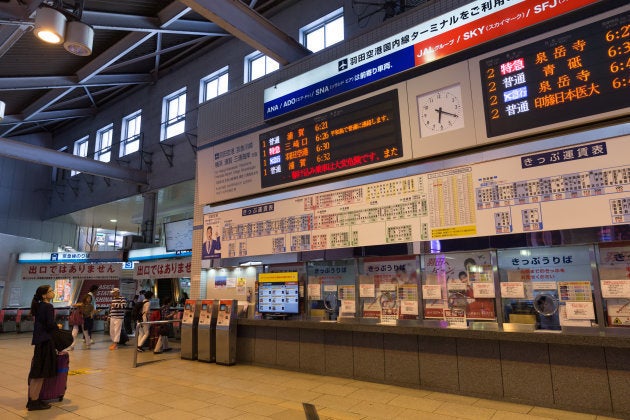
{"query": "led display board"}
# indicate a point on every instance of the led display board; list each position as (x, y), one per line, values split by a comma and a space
(359, 134)
(570, 75)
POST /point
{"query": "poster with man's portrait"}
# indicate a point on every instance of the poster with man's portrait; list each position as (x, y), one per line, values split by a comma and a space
(211, 247)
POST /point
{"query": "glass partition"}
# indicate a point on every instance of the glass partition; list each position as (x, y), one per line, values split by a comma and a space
(388, 289)
(547, 288)
(614, 276)
(331, 289)
(458, 288)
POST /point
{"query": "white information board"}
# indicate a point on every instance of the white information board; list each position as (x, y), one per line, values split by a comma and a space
(518, 194)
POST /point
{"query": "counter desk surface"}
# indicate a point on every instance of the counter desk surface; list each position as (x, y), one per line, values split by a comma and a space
(574, 336)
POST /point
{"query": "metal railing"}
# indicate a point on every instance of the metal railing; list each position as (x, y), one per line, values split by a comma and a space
(148, 324)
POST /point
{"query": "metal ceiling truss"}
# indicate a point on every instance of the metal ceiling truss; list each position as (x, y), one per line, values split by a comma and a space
(60, 101)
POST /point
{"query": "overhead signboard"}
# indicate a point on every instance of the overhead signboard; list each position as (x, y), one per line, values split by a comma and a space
(365, 133)
(570, 75)
(447, 34)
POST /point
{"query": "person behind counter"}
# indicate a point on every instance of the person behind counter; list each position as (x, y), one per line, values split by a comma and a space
(44, 362)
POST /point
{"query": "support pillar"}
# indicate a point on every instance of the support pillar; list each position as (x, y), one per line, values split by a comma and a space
(148, 217)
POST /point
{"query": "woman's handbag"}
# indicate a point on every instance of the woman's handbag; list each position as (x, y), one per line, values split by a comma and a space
(62, 339)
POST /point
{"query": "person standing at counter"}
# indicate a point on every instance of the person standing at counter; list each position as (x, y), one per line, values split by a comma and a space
(44, 362)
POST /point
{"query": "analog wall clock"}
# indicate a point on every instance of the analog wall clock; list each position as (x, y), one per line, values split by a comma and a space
(441, 111)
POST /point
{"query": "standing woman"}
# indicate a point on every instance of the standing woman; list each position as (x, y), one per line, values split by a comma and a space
(88, 310)
(44, 363)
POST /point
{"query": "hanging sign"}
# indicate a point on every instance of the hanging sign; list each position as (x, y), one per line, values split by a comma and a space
(162, 269)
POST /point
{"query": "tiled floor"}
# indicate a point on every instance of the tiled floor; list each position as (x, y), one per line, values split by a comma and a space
(103, 384)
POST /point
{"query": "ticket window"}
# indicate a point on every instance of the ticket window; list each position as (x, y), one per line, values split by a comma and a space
(459, 289)
(613, 262)
(331, 290)
(388, 290)
(547, 288)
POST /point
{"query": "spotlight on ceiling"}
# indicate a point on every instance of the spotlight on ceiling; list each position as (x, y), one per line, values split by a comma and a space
(50, 25)
(79, 37)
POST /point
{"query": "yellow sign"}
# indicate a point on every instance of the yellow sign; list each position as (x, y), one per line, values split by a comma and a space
(469, 230)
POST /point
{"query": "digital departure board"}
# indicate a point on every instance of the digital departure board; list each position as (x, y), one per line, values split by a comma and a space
(356, 135)
(582, 72)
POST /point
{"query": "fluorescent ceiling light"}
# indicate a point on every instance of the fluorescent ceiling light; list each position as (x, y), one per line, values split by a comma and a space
(50, 25)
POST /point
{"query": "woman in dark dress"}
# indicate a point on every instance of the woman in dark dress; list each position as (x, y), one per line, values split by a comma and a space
(44, 363)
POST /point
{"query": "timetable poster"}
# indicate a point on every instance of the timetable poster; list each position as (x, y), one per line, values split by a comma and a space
(563, 188)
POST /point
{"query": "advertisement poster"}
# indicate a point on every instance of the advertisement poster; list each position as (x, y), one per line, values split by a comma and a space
(211, 247)
(63, 291)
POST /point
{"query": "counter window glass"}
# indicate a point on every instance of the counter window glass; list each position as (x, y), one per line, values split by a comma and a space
(458, 289)
(331, 289)
(388, 289)
(614, 276)
(547, 288)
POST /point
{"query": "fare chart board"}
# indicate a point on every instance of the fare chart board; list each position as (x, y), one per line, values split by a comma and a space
(564, 77)
(359, 134)
(519, 194)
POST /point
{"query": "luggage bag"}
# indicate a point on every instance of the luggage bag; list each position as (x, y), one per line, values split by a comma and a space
(54, 389)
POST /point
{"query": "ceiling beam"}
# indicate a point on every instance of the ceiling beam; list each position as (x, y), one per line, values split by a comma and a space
(41, 155)
(56, 82)
(49, 116)
(100, 63)
(131, 23)
(251, 28)
(9, 35)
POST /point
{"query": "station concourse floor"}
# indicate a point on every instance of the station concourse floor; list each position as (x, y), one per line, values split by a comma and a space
(103, 385)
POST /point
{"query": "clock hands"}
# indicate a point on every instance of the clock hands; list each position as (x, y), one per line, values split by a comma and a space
(440, 112)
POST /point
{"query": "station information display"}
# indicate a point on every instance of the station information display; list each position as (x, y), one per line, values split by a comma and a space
(359, 134)
(571, 75)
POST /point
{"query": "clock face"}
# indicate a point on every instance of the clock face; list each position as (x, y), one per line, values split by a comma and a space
(440, 111)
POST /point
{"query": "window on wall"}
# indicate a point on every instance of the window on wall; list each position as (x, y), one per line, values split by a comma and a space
(174, 114)
(80, 149)
(130, 134)
(257, 65)
(323, 32)
(214, 85)
(104, 144)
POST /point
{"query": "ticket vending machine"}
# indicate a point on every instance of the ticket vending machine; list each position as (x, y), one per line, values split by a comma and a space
(206, 331)
(226, 332)
(190, 321)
